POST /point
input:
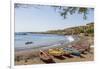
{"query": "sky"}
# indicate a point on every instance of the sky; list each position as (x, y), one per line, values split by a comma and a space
(44, 18)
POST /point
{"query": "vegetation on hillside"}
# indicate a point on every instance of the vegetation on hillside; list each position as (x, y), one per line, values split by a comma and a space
(87, 29)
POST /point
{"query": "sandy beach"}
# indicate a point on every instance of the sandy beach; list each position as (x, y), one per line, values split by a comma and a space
(32, 56)
(47, 34)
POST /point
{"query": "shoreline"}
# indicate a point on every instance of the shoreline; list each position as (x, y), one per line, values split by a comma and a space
(48, 47)
(53, 45)
(35, 54)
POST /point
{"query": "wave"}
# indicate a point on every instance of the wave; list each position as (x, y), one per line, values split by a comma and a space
(70, 38)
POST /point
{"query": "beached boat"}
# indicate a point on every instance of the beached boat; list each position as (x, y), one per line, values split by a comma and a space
(82, 48)
(46, 57)
(59, 53)
(56, 52)
(72, 51)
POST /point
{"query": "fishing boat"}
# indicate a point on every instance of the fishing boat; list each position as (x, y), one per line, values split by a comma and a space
(28, 43)
(58, 53)
(73, 51)
(44, 56)
(82, 48)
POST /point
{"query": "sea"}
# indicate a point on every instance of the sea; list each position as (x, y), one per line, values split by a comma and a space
(25, 40)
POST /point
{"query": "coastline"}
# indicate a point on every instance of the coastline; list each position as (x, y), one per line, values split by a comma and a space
(33, 54)
(48, 47)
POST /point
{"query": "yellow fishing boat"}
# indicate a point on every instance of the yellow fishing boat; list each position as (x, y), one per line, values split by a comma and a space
(56, 52)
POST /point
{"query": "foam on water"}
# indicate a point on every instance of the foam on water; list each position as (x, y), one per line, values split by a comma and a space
(70, 38)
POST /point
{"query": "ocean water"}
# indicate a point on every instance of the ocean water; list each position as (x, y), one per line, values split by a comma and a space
(39, 40)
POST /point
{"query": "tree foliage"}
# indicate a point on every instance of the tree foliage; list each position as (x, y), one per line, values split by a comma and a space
(62, 10)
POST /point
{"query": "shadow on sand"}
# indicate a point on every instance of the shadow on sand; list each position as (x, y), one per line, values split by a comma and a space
(48, 61)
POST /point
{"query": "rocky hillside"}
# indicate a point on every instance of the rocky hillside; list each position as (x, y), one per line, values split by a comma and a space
(87, 29)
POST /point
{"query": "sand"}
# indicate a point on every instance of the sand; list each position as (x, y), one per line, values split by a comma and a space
(32, 56)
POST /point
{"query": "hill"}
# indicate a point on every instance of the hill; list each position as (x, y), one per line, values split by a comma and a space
(87, 29)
